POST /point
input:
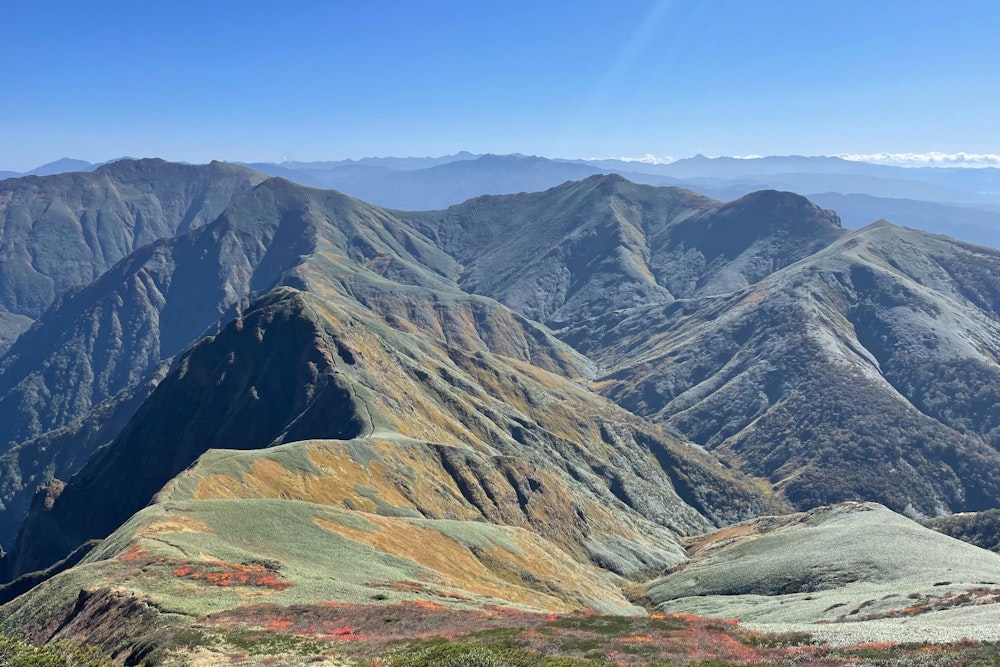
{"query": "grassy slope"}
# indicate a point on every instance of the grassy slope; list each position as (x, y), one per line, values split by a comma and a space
(826, 375)
(188, 559)
(481, 444)
(857, 570)
(469, 415)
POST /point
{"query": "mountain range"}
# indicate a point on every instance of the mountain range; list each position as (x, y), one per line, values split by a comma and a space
(222, 390)
(961, 202)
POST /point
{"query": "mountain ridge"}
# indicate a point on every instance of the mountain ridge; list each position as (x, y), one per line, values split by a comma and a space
(591, 374)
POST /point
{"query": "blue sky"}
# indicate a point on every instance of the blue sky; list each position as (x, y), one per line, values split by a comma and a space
(327, 80)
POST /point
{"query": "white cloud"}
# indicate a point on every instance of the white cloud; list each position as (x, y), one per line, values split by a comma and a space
(933, 159)
(648, 158)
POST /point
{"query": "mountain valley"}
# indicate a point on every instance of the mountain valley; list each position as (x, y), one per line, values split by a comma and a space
(228, 399)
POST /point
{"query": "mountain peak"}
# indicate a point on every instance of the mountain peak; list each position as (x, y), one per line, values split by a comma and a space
(60, 166)
(601, 180)
(881, 222)
(783, 209)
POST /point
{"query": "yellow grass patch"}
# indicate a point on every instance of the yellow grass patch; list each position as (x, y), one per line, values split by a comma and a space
(414, 480)
(176, 524)
(448, 563)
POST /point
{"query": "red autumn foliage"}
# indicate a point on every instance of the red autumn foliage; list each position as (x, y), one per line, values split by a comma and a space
(135, 554)
(367, 631)
(427, 604)
(685, 617)
(279, 625)
(217, 573)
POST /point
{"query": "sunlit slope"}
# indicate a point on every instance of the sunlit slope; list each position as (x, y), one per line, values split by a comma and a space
(175, 562)
(370, 334)
(865, 371)
(502, 429)
(589, 248)
(858, 567)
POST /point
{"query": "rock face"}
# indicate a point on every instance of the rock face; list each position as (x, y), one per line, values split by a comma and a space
(582, 378)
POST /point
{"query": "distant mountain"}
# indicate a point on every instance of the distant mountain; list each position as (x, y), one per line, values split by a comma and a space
(878, 186)
(729, 168)
(950, 201)
(61, 166)
(395, 163)
(437, 186)
(961, 222)
(350, 175)
(820, 174)
(63, 231)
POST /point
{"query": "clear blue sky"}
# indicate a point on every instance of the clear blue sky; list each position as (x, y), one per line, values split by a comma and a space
(348, 78)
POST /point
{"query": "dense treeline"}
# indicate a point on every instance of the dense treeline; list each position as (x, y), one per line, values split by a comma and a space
(979, 528)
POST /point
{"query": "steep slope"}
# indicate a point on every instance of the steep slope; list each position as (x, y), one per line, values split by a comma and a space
(62, 231)
(96, 354)
(348, 376)
(585, 249)
(362, 268)
(762, 330)
(876, 355)
(198, 397)
(979, 528)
